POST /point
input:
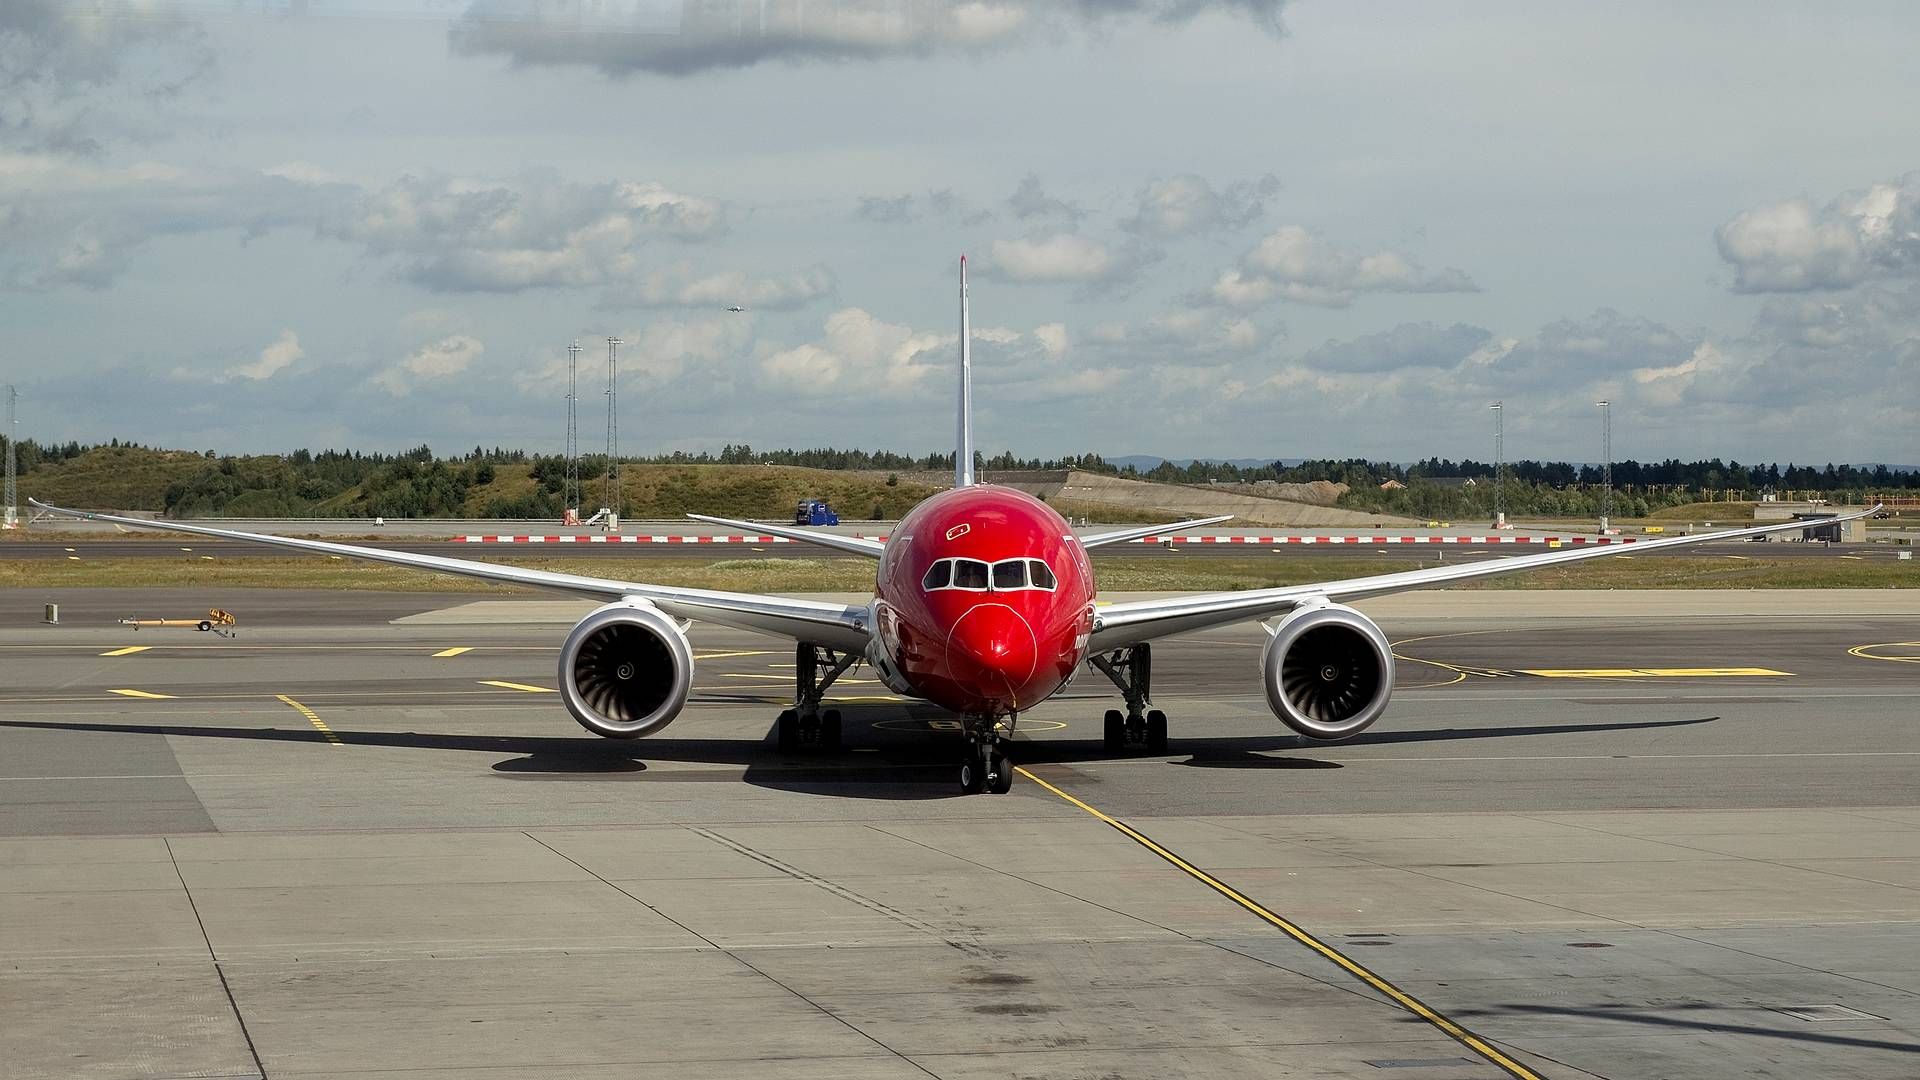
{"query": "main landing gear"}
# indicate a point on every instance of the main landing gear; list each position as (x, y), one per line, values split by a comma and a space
(807, 725)
(986, 766)
(1139, 728)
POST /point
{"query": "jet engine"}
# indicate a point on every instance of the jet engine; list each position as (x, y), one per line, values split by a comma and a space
(1328, 671)
(626, 670)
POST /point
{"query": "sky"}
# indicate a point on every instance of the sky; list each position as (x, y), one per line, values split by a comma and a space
(1223, 228)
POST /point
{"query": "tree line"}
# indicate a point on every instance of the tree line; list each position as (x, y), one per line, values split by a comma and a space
(418, 483)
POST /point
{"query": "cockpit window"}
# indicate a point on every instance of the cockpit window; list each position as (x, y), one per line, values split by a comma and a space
(1042, 575)
(973, 575)
(969, 574)
(1010, 575)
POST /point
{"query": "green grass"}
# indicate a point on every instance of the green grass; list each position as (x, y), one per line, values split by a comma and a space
(855, 575)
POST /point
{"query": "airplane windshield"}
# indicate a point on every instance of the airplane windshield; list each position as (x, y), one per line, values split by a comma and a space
(969, 574)
(973, 575)
(1042, 575)
(939, 576)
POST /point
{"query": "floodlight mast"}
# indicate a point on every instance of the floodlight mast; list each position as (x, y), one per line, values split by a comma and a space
(1606, 463)
(571, 494)
(613, 428)
(1499, 409)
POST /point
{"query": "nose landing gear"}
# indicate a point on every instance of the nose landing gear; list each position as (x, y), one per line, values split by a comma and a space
(986, 768)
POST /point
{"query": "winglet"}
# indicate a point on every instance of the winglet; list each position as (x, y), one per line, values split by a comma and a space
(963, 437)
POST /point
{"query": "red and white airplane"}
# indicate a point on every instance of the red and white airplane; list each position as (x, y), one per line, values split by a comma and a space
(984, 605)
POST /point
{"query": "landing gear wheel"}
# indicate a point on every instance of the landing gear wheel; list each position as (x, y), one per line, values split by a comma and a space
(973, 774)
(830, 730)
(1156, 732)
(999, 774)
(1114, 732)
(787, 729)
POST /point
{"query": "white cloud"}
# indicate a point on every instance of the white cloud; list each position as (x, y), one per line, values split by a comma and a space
(1293, 264)
(1061, 257)
(457, 235)
(1052, 338)
(856, 349)
(278, 356)
(70, 222)
(447, 357)
(681, 286)
(1793, 246)
(1185, 205)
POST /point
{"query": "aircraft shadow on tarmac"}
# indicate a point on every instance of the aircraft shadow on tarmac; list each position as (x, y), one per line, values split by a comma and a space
(1632, 1014)
(893, 765)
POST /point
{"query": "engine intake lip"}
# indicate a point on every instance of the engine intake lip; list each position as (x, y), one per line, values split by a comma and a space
(625, 671)
(1328, 672)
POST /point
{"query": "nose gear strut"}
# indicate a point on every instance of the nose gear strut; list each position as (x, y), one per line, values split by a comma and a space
(986, 766)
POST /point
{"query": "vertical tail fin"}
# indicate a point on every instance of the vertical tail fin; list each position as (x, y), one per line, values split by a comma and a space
(963, 438)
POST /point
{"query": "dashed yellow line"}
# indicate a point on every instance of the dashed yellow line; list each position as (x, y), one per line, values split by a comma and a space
(312, 718)
(128, 651)
(522, 687)
(455, 651)
(142, 694)
(1452, 1030)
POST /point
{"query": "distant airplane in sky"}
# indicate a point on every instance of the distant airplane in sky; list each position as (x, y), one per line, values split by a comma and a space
(736, 307)
(983, 604)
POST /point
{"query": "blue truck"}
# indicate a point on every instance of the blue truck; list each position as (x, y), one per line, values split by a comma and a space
(814, 512)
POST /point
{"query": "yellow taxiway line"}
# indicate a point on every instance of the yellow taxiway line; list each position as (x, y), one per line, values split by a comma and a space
(312, 718)
(142, 694)
(455, 651)
(522, 687)
(128, 651)
(1449, 1028)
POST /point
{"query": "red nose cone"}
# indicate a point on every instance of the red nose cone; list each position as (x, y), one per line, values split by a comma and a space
(993, 650)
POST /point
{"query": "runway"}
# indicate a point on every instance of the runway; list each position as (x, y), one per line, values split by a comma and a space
(363, 838)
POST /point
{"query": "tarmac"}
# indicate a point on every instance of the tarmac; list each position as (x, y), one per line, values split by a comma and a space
(1596, 834)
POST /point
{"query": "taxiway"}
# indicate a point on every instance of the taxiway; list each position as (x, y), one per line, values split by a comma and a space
(1607, 838)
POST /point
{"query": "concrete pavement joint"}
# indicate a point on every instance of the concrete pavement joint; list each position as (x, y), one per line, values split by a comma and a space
(1452, 1030)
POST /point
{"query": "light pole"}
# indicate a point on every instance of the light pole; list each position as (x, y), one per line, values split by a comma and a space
(1606, 463)
(613, 430)
(1499, 464)
(570, 489)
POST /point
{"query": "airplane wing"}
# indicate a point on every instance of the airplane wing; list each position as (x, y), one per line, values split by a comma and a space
(1123, 535)
(1119, 625)
(859, 545)
(835, 625)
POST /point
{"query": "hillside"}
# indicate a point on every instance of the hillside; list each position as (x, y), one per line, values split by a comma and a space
(133, 478)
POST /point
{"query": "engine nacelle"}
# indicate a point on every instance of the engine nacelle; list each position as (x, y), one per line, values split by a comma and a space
(1328, 671)
(626, 670)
